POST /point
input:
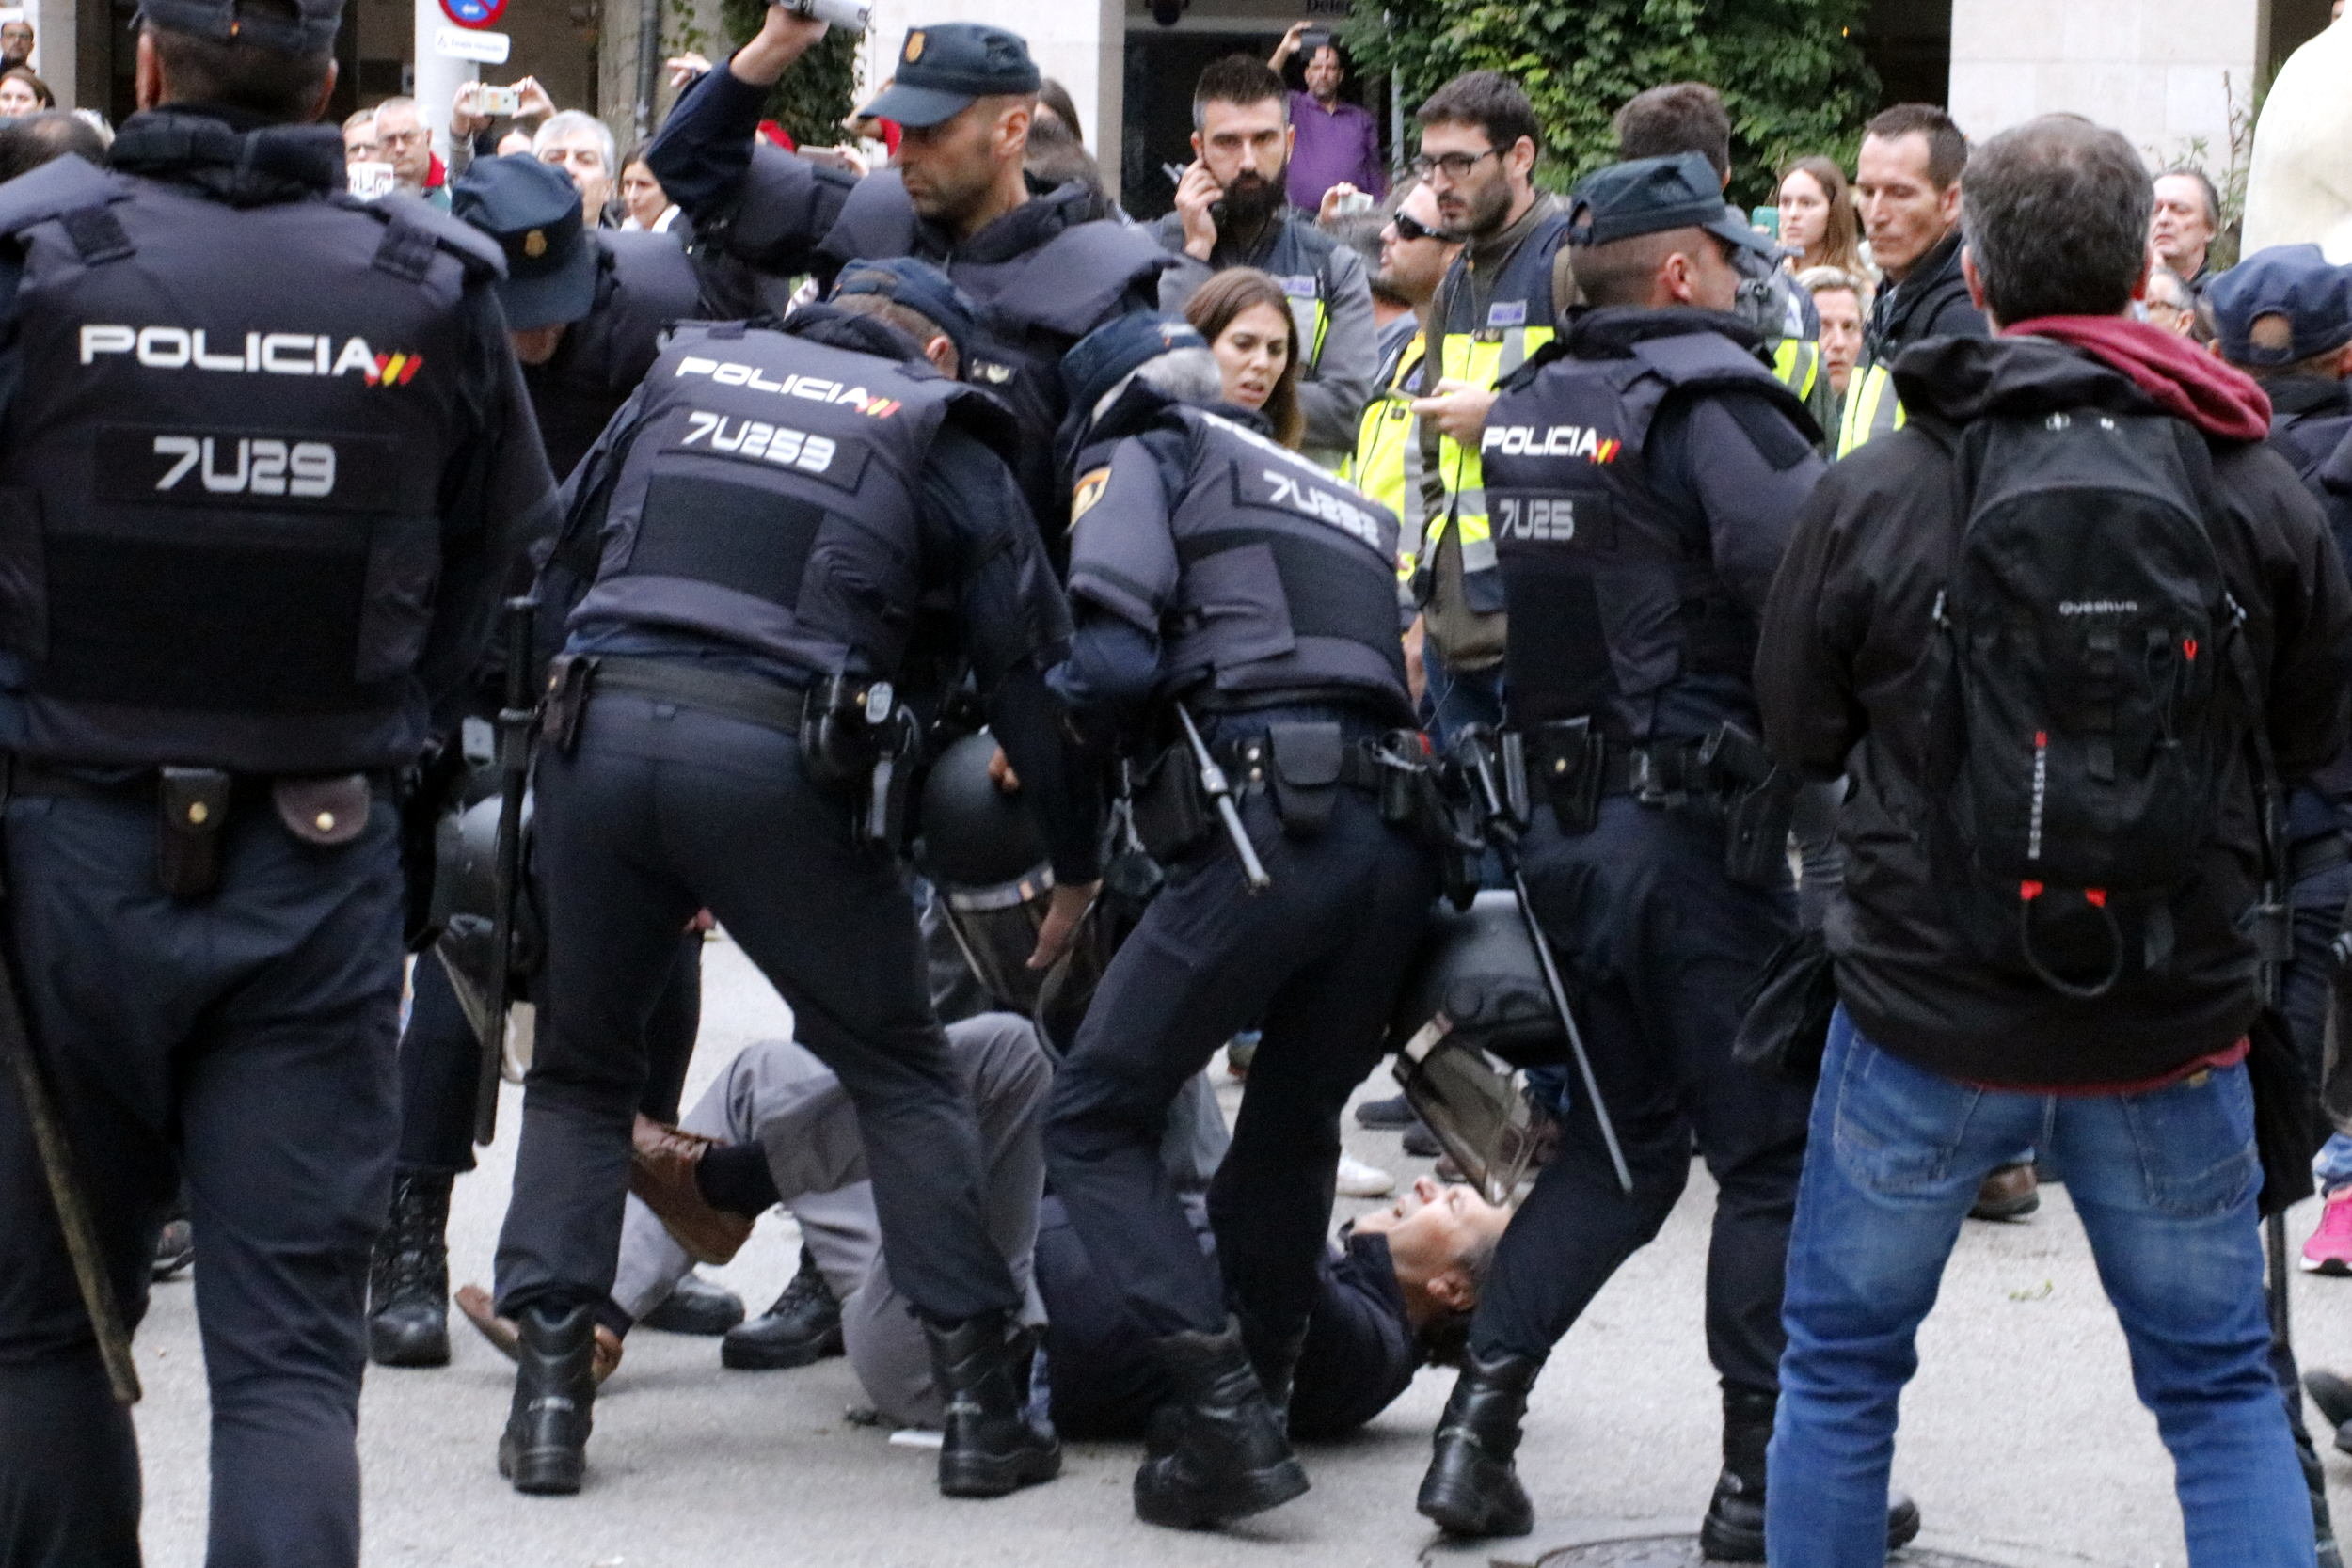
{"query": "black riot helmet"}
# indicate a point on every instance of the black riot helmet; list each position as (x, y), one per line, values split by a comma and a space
(975, 835)
(1478, 972)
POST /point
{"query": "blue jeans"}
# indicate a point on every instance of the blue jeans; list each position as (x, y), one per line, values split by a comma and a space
(2165, 1183)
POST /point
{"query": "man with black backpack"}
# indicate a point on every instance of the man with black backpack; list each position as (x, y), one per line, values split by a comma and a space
(2068, 632)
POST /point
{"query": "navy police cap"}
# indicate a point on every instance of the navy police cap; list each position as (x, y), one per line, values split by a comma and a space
(2295, 284)
(532, 210)
(921, 288)
(941, 68)
(1649, 196)
(309, 31)
(1122, 345)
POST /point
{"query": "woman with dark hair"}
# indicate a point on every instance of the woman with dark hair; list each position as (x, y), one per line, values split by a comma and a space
(24, 93)
(649, 207)
(1054, 101)
(1246, 320)
(1817, 219)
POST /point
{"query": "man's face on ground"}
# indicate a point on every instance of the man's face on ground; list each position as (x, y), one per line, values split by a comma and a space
(2181, 227)
(1432, 1229)
(1904, 210)
(1322, 74)
(16, 42)
(949, 167)
(1246, 149)
(1841, 333)
(1477, 201)
(1410, 267)
(400, 140)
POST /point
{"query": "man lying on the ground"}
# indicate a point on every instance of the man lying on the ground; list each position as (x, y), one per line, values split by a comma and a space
(775, 1128)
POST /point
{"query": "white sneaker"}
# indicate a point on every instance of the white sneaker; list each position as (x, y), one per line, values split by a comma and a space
(1358, 1180)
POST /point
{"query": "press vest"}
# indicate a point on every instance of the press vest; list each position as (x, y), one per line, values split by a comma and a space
(1872, 410)
(1613, 598)
(1298, 258)
(771, 498)
(1387, 464)
(1482, 346)
(220, 493)
(1285, 574)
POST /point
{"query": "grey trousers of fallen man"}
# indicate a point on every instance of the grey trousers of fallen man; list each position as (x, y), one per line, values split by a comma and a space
(778, 1094)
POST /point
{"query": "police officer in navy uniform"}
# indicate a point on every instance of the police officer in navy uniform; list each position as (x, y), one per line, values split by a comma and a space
(791, 520)
(1213, 568)
(585, 309)
(257, 536)
(1045, 266)
(600, 300)
(1643, 475)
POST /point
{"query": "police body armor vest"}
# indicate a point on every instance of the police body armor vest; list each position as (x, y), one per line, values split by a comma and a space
(644, 283)
(1286, 579)
(1034, 305)
(771, 498)
(1614, 602)
(1484, 349)
(220, 538)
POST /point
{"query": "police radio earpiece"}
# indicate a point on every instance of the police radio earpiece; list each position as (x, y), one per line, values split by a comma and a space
(851, 15)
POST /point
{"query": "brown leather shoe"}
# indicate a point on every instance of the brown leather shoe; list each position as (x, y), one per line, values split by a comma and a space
(661, 1166)
(506, 1337)
(2009, 1193)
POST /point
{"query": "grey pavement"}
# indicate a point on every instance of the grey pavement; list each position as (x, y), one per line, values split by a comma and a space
(2020, 1438)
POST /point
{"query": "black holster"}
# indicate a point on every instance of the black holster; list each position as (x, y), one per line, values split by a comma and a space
(859, 741)
(1759, 802)
(1304, 765)
(569, 678)
(1567, 761)
(1171, 815)
(194, 809)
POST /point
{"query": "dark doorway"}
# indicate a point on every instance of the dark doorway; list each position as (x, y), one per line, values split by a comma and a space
(1908, 43)
(1156, 132)
(106, 50)
(2293, 24)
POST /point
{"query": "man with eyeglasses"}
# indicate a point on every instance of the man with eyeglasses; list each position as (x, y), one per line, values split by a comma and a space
(1498, 302)
(404, 141)
(1230, 212)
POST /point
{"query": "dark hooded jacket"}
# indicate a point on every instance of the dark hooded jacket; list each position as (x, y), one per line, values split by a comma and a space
(1839, 677)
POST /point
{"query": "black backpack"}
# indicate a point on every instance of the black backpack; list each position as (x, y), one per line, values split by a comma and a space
(2095, 697)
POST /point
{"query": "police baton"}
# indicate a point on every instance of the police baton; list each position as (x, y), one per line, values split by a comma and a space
(65, 1194)
(1214, 784)
(515, 716)
(1473, 748)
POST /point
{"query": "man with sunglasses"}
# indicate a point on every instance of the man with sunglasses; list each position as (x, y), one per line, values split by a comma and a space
(1499, 301)
(1415, 254)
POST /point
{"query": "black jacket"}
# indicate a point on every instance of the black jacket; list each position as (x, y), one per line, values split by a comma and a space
(1931, 303)
(1838, 678)
(1360, 1354)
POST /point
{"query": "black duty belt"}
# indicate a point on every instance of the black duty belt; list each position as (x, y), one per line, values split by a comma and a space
(1660, 768)
(141, 785)
(1244, 759)
(753, 699)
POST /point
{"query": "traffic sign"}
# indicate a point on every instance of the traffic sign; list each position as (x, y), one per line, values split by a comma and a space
(473, 13)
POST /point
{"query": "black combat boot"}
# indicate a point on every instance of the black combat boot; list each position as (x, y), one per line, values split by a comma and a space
(1221, 1455)
(1733, 1530)
(408, 1279)
(803, 1327)
(697, 1306)
(990, 1447)
(1274, 1359)
(545, 1449)
(1471, 1487)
